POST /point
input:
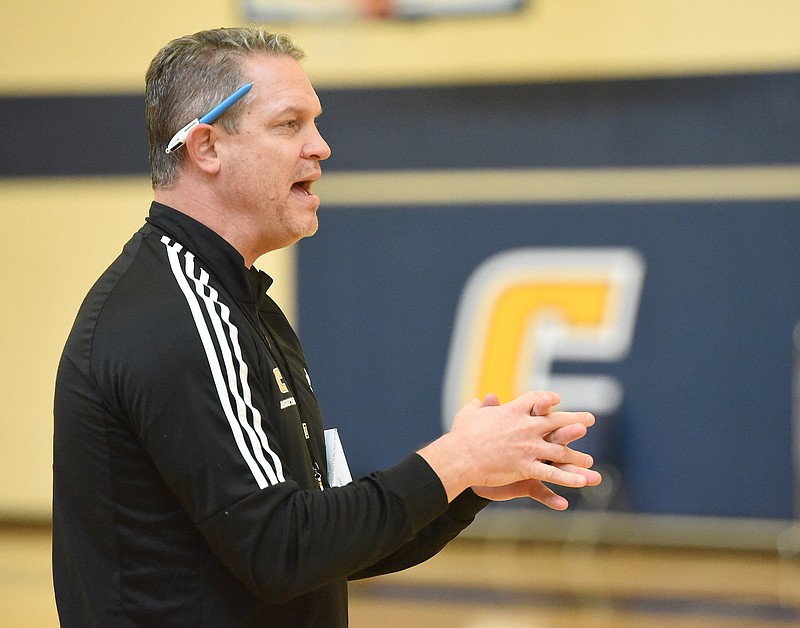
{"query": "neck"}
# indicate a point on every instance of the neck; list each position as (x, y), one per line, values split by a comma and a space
(211, 213)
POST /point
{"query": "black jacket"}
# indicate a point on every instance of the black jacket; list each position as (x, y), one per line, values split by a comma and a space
(189, 459)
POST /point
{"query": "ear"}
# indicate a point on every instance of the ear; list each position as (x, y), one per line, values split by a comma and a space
(201, 148)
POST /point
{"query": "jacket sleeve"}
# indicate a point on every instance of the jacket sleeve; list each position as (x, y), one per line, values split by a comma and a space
(286, 541)
(431, 539)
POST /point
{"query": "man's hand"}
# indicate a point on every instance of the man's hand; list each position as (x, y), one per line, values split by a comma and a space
(510, 449)
(536, 489)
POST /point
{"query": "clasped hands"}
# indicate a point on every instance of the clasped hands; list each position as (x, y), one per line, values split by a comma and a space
(517, 447)
(557, 463)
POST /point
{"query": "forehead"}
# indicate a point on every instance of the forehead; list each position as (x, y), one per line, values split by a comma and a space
(279, 81)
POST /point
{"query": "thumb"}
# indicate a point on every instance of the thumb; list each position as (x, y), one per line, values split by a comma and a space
(468, 409)
(537, 403)
(544, 404)
(491, 400)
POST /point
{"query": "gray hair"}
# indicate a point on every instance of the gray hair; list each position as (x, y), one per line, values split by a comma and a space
(191, 75)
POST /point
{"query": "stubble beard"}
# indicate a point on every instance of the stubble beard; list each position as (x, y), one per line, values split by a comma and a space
(300, 227)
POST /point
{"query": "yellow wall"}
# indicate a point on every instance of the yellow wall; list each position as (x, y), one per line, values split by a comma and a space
(59, 234)
(101, 46)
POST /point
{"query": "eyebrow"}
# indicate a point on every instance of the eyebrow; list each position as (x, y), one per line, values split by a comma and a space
(294, 110)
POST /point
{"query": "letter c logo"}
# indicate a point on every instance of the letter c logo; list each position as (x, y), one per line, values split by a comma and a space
(523, 309)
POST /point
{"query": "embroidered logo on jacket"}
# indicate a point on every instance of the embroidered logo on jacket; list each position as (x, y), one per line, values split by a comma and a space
(289, 401)
(279, 378)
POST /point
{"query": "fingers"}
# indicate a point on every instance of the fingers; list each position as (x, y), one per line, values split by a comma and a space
(545, 495)
(533, 489)
(556, 429)
(561, 454)
(567, 434)
(556, 420)
(505, 444)
(545, 404)
(537, 403)
(555, 474)
(593, 478)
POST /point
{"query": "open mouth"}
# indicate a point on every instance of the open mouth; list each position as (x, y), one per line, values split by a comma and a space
(304, 186)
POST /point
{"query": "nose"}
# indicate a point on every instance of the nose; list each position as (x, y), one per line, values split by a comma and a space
(316, 148)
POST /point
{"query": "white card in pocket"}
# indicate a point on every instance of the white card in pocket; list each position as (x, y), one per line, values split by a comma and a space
(338, 471)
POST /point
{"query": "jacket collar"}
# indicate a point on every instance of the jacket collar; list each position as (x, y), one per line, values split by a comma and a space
(247, 285)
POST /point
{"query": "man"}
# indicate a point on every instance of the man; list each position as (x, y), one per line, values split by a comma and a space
(190, 475)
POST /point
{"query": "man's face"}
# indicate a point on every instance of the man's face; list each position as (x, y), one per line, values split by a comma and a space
(269, 165)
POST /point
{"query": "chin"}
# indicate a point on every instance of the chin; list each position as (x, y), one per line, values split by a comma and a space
(305, 230)
(311, 231)
(312, 226)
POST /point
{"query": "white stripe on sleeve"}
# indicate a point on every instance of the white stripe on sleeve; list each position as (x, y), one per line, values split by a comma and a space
(226, 387)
